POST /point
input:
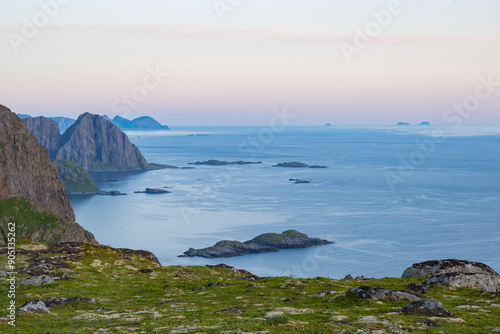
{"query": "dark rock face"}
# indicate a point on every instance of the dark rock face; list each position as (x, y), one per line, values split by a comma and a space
(26, 169)
(63, 122)
(98, 145)
(373, 292)
(264, 243)
(447, 266)
(484, 282)
(47, 132)
(426, 307)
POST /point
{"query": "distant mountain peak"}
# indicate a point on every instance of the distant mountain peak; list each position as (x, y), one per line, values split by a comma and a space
(139, 123)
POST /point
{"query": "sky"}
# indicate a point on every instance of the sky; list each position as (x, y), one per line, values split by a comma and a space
(235, 62)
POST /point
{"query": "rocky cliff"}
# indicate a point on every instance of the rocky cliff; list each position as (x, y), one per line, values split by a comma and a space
(98, 145)
(47, 132)
(26, 171)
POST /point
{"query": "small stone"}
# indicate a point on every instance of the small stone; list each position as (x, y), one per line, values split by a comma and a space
(273, 314)
(96, 263)
(427, 322)
(37, 280)
(369, 320)
(339, 318)
(34, 306)
(426, 307)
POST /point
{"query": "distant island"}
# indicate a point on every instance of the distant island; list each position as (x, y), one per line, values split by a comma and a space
(264, 243)
(140, 123)
(296, 164)
(224, 163)
(403, 123)
(425, 123)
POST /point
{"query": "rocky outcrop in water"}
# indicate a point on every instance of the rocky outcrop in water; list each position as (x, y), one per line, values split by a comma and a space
(296, 164)
(264, 243)
(30, 187)
(98, 145)
(152, 191)
(224, 163)
(47, 132)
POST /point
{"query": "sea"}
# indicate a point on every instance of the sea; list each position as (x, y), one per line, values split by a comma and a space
(390, 196)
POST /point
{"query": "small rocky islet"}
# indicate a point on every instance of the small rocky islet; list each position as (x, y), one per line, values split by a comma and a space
(264, 243)
(224, 163)
(296, 164)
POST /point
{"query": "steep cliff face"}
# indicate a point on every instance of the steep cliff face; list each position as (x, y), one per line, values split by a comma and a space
(98, 145)
(47, 132)
(26, 171)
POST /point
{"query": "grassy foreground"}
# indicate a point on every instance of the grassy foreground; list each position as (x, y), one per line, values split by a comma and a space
(178, 299)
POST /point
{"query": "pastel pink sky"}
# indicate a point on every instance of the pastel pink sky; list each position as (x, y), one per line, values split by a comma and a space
(234, 69)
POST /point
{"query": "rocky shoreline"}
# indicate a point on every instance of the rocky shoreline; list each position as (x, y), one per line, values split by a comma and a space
(264, 243)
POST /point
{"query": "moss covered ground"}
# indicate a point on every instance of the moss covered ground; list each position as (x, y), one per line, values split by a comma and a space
(178, 299)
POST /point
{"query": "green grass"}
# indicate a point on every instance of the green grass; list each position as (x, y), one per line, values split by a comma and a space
(132, 296)
(75, 178)
(28, 218)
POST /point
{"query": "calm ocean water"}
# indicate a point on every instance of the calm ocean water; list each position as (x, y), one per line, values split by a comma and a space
(390, 197)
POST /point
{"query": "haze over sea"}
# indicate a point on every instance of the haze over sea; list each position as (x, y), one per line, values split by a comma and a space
(443, 204)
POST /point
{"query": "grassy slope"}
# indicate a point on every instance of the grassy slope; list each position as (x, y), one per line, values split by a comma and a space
(132, 296)
(27, 216)
(75, 178)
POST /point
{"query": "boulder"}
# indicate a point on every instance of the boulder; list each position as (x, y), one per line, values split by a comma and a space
(373, 292)
(447, 266)
(485, 282)
(421, 288)
(426, 307)
(37, 280)
(34, 306)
